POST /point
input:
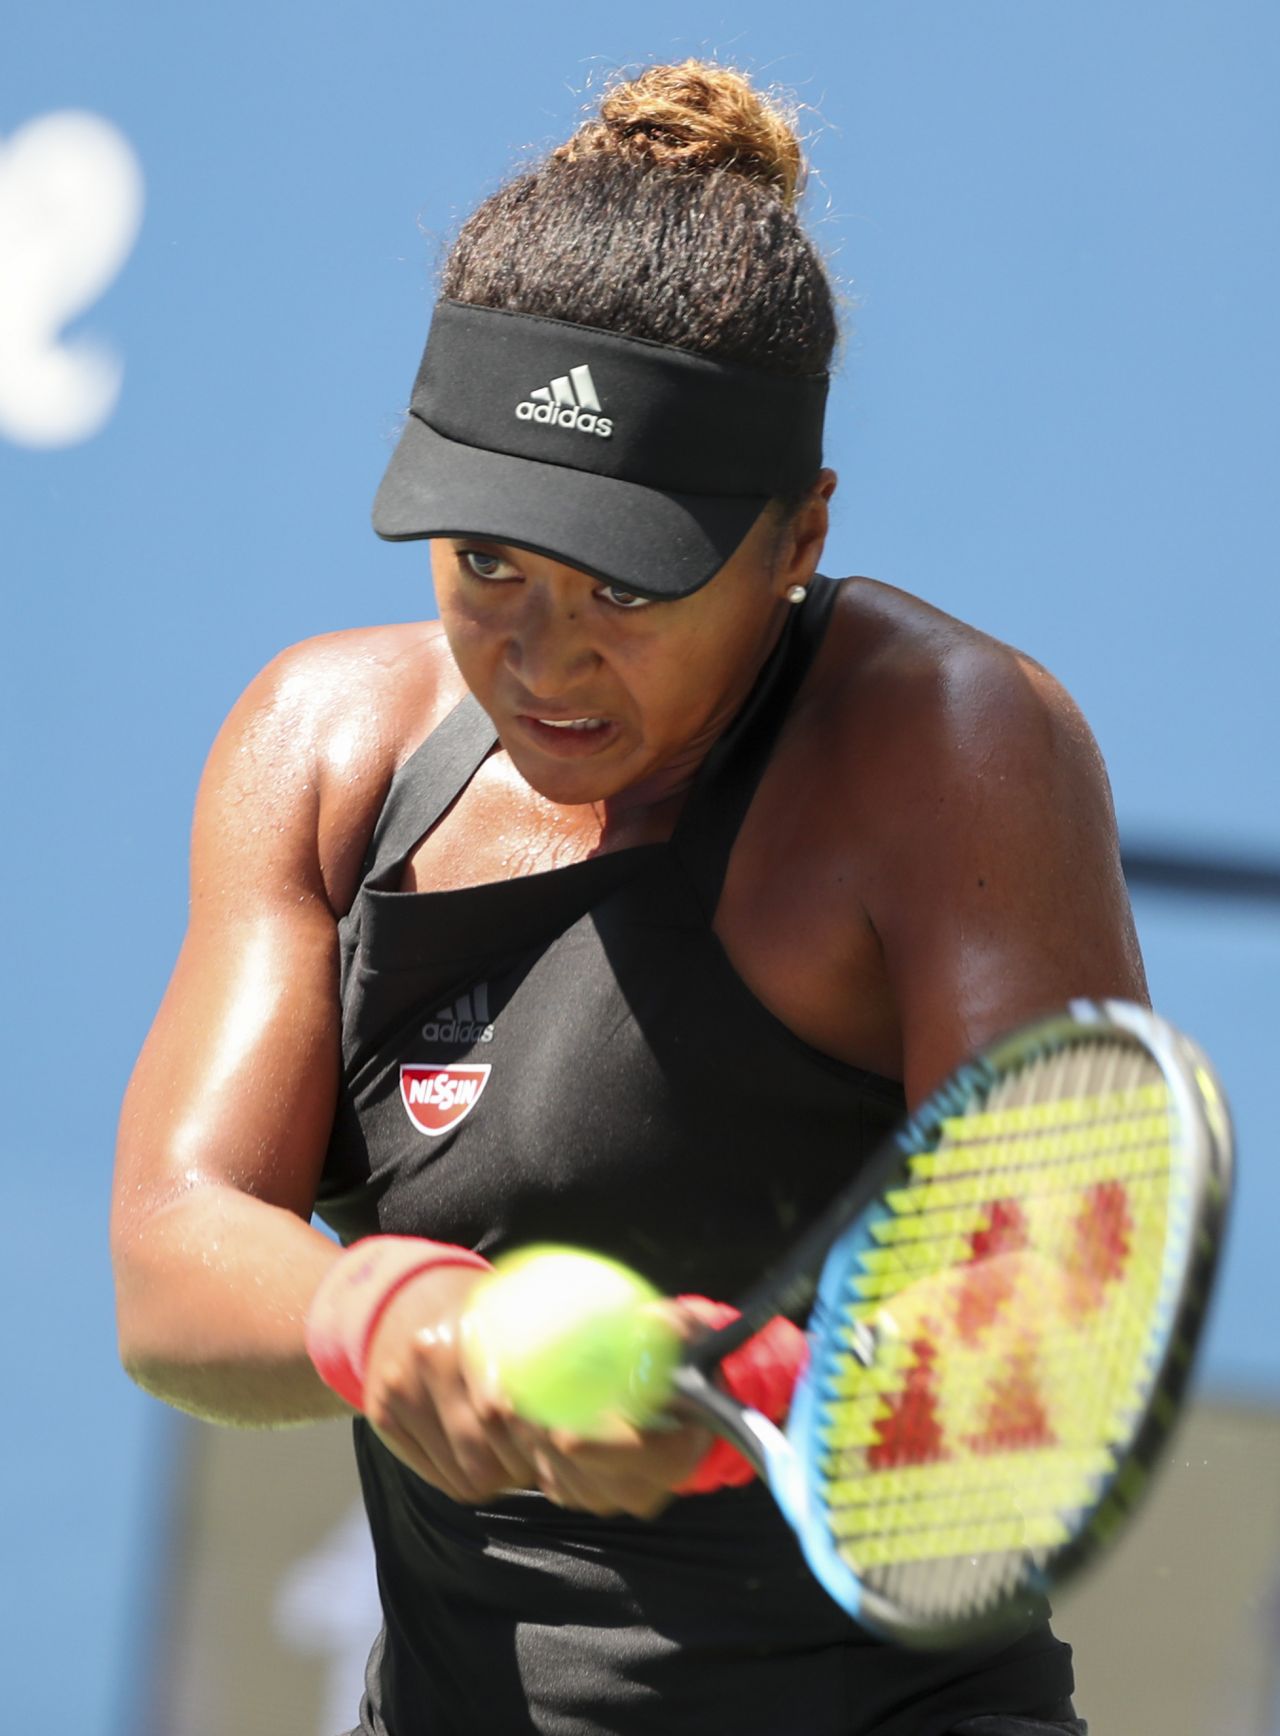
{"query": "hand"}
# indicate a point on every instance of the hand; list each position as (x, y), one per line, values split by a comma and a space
(424, 1403)
(630, 1470)
(634, 1471)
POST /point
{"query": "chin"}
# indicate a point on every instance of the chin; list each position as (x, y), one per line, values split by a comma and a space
(571, 785)
(570, 791)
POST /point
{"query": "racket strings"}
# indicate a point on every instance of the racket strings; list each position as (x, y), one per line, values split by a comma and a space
(997, 1331)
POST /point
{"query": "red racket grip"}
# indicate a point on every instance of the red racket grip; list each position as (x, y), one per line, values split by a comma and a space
(761, 1373)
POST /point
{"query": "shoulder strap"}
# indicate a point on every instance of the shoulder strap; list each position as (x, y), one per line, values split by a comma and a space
(722, 793)
(428, 783)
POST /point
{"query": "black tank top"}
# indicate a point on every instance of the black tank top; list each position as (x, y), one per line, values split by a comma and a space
(571, 1057)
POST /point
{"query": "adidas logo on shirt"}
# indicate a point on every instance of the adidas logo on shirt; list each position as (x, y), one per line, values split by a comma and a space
(467, 1021)
(568, 402)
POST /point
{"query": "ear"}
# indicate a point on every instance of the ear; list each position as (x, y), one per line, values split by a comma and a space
(804, 535)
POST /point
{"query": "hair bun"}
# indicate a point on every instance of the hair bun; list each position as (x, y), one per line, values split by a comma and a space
(696, 116)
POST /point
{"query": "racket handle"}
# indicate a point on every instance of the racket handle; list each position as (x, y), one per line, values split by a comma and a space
(759, 1375)
(701, 1401)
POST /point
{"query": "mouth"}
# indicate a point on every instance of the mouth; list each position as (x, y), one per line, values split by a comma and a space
(568, 737)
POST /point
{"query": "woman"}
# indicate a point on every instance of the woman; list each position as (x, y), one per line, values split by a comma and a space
(622, 907)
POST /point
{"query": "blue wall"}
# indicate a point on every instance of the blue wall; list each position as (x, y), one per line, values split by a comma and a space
(1055, 232)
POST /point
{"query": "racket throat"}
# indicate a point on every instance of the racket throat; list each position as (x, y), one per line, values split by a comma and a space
(755, 1437)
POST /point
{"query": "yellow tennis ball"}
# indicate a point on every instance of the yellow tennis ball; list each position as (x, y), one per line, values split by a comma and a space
(572, 1339)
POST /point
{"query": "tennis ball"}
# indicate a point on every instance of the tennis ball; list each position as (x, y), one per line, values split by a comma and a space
(572, 1339)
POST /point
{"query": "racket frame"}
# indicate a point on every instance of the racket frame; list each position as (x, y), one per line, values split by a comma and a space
(810, 1278)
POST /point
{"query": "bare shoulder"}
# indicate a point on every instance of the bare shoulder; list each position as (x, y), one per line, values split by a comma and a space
(334, 692)
(981, 831)
(905, 645)
(905, 685)
(308, 751)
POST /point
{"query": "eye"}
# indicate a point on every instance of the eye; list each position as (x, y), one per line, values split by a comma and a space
(622, 599)
(483, 565)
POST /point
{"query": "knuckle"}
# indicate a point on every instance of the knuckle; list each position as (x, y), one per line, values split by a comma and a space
(377, 1413)
(477, 1463)
(391, 1391)
(382, 1404)
(398, 1374)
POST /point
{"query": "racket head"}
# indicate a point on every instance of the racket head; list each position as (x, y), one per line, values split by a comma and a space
(1001, 1338)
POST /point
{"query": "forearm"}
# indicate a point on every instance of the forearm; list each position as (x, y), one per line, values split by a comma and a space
(212, 1293)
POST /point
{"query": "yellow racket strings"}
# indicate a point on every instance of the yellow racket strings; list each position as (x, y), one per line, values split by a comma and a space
(1007, 1299)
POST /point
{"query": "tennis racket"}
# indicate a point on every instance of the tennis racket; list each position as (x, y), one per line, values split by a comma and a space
(1002, 1311)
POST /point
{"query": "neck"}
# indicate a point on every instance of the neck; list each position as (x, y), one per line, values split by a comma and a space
(644, 813)
(652, 805)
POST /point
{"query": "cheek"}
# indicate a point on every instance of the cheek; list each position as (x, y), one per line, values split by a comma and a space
(456, 602)
(473, 638)
(678, 690)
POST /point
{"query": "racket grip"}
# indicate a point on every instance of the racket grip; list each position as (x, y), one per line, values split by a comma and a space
(761, 1373)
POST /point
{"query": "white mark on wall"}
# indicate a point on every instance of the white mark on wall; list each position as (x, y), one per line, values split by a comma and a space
(71, 196)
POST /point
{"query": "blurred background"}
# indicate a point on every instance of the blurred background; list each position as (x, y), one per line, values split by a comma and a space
(1056, 231)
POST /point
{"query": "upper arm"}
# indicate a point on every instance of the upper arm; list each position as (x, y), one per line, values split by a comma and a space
(236, 1082)
(1000, 894)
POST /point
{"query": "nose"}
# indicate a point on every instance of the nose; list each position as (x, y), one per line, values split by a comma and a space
(549, 648)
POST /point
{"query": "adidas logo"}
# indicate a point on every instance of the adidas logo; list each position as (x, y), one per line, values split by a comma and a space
(467, 1021)
(568, 402)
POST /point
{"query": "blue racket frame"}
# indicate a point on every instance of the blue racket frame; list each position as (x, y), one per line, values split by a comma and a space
(847, 1231)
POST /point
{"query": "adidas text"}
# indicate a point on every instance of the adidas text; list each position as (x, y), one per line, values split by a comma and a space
(457, 1031)
(586, 421)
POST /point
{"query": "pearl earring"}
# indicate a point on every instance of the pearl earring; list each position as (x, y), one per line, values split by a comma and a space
(796, 594)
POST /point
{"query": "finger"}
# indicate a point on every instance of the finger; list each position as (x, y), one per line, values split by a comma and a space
(661, 1456)
(517, 1467)
(486, 1462)
(617, 1475)
(500, 1424)
(560, 1482)
(447, 1443)
(406, 1447)
(603, 1482)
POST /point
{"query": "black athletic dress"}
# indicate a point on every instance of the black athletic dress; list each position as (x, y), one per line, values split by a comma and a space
(572, 1057)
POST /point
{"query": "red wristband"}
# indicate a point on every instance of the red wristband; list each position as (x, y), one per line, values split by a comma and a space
(761, 1373)
(353, 1296)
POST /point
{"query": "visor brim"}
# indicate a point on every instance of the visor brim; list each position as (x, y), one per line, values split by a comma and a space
(644, 540)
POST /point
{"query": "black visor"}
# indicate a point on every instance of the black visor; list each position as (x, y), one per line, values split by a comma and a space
(641, 464)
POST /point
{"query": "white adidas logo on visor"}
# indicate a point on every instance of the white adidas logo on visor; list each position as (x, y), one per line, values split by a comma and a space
(570, 401)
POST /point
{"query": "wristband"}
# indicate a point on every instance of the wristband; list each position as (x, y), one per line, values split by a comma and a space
(354, 1295)
(761, 1373)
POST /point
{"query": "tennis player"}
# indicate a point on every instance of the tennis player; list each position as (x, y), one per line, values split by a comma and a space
(625, 906)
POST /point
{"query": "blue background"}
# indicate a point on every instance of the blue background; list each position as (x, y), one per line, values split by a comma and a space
(1056, 231)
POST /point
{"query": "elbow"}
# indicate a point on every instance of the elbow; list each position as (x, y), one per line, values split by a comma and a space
(143, 1370)
(154, 1362)
(141, 1310)
(135, 1345)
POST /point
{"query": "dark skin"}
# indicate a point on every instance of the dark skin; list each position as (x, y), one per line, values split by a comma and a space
(930, 859)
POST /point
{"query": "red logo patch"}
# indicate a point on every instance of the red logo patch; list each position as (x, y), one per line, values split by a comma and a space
(437, 1098)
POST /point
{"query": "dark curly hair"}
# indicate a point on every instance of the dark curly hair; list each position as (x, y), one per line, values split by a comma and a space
(671, 217)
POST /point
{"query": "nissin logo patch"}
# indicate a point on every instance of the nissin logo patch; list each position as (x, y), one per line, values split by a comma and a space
(437, 1098)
